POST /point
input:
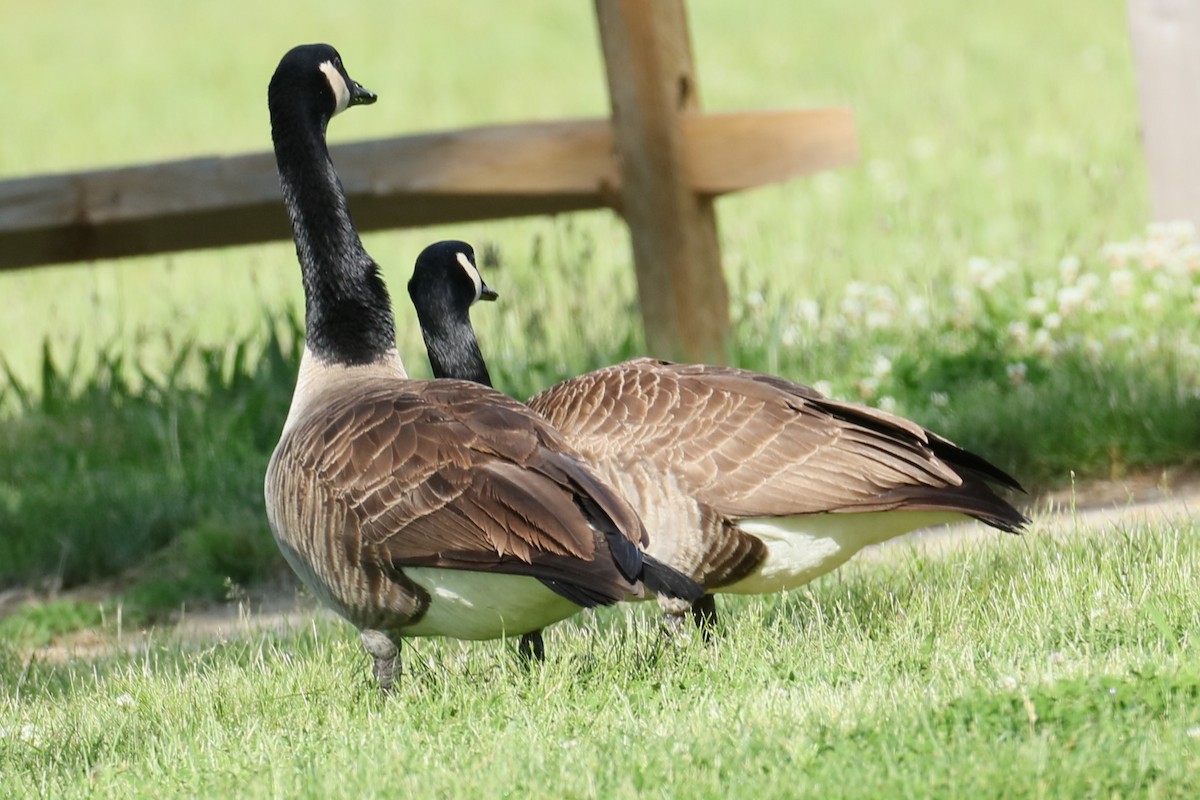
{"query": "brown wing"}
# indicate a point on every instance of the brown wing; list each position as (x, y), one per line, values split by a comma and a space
(750, 445)
(451, 474)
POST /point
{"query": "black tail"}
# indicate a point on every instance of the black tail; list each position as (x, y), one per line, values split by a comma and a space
(631, 561)
(668, 581)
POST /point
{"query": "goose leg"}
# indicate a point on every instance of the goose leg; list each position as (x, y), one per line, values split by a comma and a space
(704, 614)
(386, 655)
(532, 648)
(674, 610)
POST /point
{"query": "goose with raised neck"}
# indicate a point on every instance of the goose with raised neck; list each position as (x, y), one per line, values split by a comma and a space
(419, 508)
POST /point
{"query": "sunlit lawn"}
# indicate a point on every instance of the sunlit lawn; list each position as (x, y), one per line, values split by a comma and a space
(985, 269)
(1035, 667)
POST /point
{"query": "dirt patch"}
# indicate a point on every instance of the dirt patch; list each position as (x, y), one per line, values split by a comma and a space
(1171, 497)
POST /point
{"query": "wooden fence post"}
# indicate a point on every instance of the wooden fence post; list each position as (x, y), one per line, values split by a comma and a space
(652, 84)
(1166, 50)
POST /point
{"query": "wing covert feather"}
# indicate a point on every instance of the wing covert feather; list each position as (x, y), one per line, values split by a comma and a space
(751, 445)
(452, 474)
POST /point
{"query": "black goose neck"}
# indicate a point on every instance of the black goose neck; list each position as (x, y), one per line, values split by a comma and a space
(347, 310)
(452, 346)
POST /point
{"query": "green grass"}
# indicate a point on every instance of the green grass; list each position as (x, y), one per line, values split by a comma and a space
(137, 410)
(161, 484)
(1040, 666)
(959, 274)
(962, 273)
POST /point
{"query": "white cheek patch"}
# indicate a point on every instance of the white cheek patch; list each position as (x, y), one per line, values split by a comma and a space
(337, 83)
(472, 273)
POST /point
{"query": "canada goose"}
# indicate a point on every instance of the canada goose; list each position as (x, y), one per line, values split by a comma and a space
(418, 508)
(749, 483)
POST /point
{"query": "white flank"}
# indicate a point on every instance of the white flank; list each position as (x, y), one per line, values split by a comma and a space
(338, 84)
(802, 548)
(484, 605)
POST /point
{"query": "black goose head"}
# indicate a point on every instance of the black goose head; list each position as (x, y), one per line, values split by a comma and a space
(313, 77)
(446, 282)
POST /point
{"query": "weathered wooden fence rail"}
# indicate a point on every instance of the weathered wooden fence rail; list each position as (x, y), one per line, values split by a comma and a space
(658, 161)
(480, 173)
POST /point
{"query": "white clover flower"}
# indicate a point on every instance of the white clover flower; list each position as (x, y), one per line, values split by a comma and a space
(1068, 268)
(852, 310)
(1122, 282)
(824, 387)
(1070, 299)
(755, 299)
(916, 307)
(964, 299)
(1122, 334)
(888, 403)
(1008, 683)
(1117, 254)
(1043, 342)
(877, 319)
(1163, 282)
(790, 335)
(991, 279)
(809, 312)
(881, 367)
(867, 387)
(1016, 373)
(881, 308)
(996, 276)
(1189, 258)
(1018, 331)
(1154, 255)
(1152, 302)
(1052, 321)
(882, 297)
(977, 268)
(1088, 283)
(939, 399)
(1158, 231)
(1037, 306)
(124, 700)
(1183, 231)
(1093, 348)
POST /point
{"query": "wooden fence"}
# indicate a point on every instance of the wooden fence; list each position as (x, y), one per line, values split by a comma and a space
(659, 162)
(1166, 50)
